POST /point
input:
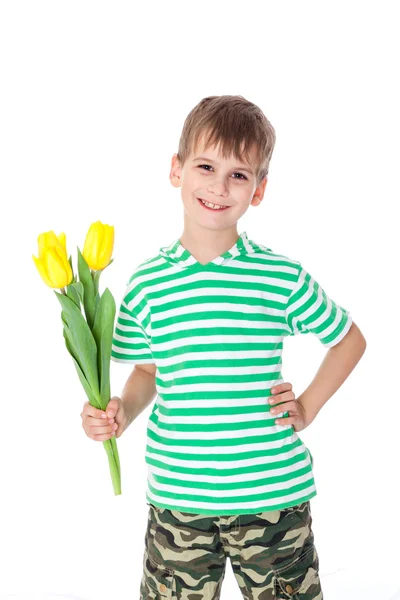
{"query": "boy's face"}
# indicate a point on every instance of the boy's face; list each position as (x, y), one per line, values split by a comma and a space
(209, 176)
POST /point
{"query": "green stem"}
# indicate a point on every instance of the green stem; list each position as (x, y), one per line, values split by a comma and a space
(96, 277)
(113, 461)
(110, 447)
(114, 445)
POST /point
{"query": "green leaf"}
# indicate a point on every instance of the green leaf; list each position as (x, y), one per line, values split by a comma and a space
(81, 340)
(80, 289)
(69, 341)
(103, 330)
(105, 353)
(89, 392)
(86, 279)
(112, 260)
(72, 293)
(72, 269)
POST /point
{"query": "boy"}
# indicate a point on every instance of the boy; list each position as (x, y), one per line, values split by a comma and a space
(203, 322)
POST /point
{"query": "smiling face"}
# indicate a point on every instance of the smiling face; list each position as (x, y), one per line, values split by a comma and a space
(223, 181)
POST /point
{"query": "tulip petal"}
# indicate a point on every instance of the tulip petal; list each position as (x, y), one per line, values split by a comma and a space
(65, 262)
(92, 244)
(49, 239)
(63, 242)
(42, 271)
(107, 247)
(88, 243)
(98, 245)
(45, 240)
(56, 264)
(55, 268)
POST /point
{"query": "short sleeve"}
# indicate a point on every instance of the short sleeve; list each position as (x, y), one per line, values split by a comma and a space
(309, 309)
(130, 343)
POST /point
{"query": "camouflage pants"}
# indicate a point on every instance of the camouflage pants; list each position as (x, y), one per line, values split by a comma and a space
(272, 554)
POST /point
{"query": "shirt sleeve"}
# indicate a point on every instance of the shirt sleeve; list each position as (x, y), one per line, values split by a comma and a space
(309, 309)
(130, 343)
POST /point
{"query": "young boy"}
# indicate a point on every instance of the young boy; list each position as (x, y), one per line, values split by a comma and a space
(203, 322)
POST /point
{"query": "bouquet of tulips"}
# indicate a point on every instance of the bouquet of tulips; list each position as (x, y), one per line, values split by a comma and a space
(88, 335)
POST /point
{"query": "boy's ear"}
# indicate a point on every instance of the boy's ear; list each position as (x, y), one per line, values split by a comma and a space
(175, 172)
(259, 192)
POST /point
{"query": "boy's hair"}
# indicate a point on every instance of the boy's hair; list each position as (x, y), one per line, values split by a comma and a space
(230, 121)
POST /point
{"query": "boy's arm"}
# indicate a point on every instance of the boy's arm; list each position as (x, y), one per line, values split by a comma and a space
(139, 390)
(337, 365)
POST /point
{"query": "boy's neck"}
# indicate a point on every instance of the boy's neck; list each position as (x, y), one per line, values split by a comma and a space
(207, 244)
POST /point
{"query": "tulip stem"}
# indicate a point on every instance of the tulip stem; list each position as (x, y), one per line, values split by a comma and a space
(96, 277)
(113, 461)
(110, 447)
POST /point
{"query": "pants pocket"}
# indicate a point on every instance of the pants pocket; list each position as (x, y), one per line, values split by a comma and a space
(157, 581)
(301, 511)
(299, 579)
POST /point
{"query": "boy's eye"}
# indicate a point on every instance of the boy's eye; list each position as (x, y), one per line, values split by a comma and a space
(244, 177)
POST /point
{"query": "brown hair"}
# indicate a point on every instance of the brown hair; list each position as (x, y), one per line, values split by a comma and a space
(230, 121)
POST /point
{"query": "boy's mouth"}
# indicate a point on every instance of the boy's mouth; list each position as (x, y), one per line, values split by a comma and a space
(212, 206)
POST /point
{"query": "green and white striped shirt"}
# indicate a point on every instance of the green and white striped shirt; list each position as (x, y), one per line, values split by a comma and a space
(215, 333)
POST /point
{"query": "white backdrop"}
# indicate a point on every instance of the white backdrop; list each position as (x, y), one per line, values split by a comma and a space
(94, 96)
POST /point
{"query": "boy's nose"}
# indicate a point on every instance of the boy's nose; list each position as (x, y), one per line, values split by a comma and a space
(219, 190)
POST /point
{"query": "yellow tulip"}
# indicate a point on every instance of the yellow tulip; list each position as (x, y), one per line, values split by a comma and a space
(99, 245)
(53, 264)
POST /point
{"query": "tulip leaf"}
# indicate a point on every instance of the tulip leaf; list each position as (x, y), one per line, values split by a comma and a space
(75, 291)
(80, 367)
(105, 353)
(69, 342)
(72, 269)
(67, 335)
(89, 393)
(103, 331)
(85, 276)
(72, 293)
(80, 289)
(81, 340)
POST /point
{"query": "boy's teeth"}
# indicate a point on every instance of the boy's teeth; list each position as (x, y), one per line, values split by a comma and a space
(215, 206)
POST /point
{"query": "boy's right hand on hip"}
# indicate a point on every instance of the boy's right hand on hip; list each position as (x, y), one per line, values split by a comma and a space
(100, 428)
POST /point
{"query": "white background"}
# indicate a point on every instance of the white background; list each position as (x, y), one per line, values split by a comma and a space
(93, 100)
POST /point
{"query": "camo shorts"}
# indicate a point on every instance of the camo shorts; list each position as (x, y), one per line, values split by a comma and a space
(273, 555)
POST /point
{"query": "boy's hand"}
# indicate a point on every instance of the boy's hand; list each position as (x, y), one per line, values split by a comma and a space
(100, 425)
(298, 417)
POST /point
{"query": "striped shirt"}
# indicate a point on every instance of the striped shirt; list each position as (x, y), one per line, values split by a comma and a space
(215, 333)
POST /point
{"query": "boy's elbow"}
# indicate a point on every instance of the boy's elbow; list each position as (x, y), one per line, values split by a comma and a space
(360, 337)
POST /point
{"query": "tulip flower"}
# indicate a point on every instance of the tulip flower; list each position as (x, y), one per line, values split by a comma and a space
(89, 340)
(98, 246)
(52, 264)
